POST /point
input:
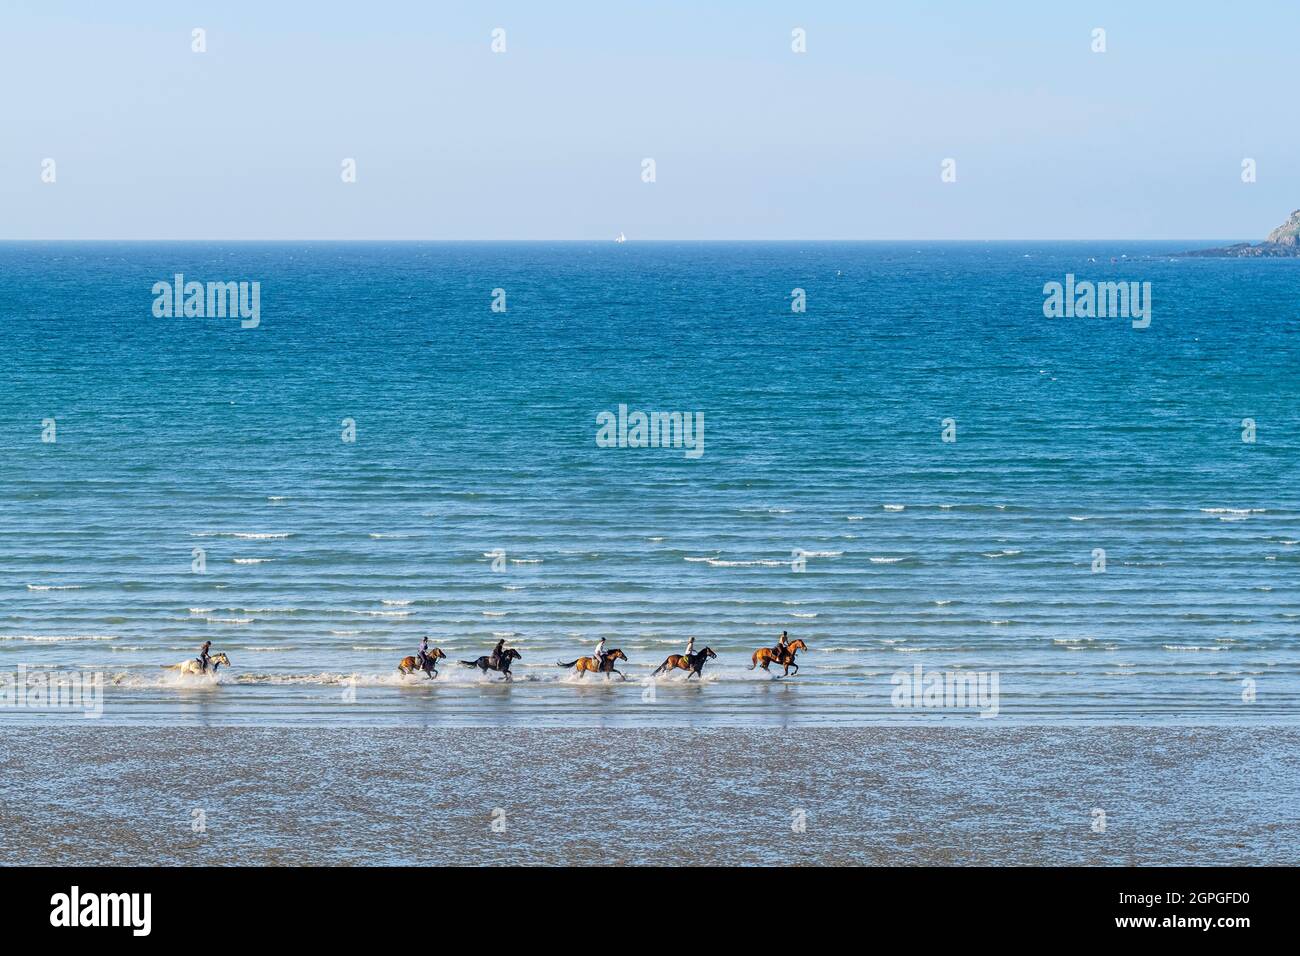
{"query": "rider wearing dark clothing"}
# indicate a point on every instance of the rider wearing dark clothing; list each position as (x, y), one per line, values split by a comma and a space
(203, 655)
(495, 657)
(424, 652)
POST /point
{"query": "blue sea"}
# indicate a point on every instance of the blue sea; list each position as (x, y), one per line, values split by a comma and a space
(475, 502)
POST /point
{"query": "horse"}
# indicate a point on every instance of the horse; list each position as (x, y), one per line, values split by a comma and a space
(192, 666)
(411, 664)
(485, 664)
(765, 656)
(692, 662)
(585, 664)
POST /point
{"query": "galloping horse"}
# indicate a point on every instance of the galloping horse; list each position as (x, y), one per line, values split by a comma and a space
(585, 664)
(693, 663)
(411, 664)
(485, 664)
(192, 666)
(765, 656)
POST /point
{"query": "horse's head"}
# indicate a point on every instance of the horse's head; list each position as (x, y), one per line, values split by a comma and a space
(513, 655)
(220, 659)
(797, 645)
(436, 654)
(616, 655)
(708, 653)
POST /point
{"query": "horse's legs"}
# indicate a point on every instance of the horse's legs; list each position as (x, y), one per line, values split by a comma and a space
(615, 670)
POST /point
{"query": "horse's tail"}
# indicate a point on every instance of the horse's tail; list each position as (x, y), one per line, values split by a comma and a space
(171, 667)
(470, 663)
(660, 669)
(572, 663)
(755, 661)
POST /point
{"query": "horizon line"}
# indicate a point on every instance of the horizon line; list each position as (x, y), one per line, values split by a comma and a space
(612, 241)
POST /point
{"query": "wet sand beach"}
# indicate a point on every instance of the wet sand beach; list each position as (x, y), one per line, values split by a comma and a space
(874, 796)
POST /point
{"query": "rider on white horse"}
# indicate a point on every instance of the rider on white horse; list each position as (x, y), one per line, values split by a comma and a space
(203, 656)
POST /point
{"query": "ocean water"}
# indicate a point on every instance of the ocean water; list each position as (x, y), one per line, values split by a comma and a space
(327, 560)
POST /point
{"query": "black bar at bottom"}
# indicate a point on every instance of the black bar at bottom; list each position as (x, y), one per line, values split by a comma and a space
(329, 905)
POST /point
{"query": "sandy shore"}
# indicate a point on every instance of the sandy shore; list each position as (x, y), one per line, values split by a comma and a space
(866, 796)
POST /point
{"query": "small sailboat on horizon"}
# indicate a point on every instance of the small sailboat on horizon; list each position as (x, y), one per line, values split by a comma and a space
(621, 238)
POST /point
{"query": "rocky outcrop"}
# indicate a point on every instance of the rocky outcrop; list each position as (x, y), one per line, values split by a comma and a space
(1283, 242)
(1287, 233)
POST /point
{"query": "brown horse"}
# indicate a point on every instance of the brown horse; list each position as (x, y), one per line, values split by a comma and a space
(694, 663)
(765, 656)
(411, 664)
(585, 664)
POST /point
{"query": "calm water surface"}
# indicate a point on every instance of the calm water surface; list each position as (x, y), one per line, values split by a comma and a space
(326, 560)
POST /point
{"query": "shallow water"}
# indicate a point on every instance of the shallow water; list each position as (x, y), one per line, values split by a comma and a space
(326, 560)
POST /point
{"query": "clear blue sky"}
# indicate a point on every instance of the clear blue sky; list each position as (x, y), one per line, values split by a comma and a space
(546, 140)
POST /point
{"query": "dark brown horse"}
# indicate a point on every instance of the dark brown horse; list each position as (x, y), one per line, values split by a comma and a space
(485, 664)
(767, 655)
(585, 664)
(693, 663)
(411, 664)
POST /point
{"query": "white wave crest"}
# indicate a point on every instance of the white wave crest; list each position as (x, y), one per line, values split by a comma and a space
(243, 535)
(57, 638)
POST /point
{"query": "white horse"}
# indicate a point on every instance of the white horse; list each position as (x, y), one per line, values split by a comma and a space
(192, 666)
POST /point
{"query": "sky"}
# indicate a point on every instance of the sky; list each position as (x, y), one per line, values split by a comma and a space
(547, 140)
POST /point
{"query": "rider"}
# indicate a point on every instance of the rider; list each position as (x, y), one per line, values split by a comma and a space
(494, 659)
(782, 646)
(203, 655)
(424, 651)
(690, 646)
(599, 654)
